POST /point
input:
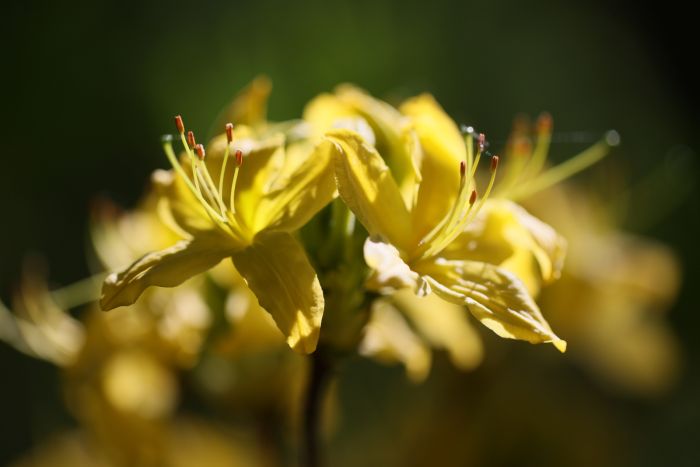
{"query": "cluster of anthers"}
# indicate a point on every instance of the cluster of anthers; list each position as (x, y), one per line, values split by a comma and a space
(201, 183)
(466, 206)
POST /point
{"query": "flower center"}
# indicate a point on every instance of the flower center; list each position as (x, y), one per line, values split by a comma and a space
(201, 183)
(466, 206)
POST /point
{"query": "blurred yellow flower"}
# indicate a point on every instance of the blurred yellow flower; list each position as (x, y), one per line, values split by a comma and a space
(186, 442)
(403, 326)
(120, 370)
(614, 285)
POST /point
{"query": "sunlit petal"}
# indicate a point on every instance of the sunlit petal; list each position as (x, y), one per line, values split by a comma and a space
(166, 268)
(279, 273)
(369, 189)
(494, 296)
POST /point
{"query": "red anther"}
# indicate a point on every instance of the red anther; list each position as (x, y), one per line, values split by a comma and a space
(239, 157)
(201, 153)
(544, 123)
(494, 163)
(482, 141)
(462, 169)
(472, 198)
(190, 139)
(179, 124)
(229, 132)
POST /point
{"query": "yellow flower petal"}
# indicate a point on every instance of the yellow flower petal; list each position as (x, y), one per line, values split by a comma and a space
(494, 296)
(506, 235)
(444, 324)
(166, 268)
(368, 188)
(444, 148)
(395, 140)
(388, 338)
(324, 110)
(278, 272)
(177, 206)
(249, 107)
(388, 272)
(301, 191)
(548, 247)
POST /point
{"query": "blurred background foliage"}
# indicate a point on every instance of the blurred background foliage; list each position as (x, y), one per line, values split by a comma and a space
(90, 86)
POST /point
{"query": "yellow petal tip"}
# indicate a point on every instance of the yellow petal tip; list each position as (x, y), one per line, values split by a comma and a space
(560, 345)
(306, 345)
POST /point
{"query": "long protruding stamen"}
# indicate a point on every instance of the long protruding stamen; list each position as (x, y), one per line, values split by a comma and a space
(229, 140)
(188, 143)
(466, 219)
(470, 147)
(435, 240)
(191, 142)
(239, 163)
(179, 124)
(170, 153)
(493, 169)
(198, 176)
(481, 141)
(539, 155)
(518, 153)
(207, 182)
(464, 189)
(455, 229)
(200, 183)
(566, 169)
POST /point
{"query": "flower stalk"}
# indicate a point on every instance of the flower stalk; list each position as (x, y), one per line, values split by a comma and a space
(320, 377)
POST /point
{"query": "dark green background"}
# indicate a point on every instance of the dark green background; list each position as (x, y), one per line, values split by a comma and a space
(89, 88)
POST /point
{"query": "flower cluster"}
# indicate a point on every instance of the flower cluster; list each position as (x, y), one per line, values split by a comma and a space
(407, 175)
(359, 228)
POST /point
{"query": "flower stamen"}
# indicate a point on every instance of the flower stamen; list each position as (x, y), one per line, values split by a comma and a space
(229, 140)
(464, 209)
(216, 194)
(201, 183)
(170, 153)
(543, 127)
(239, 163)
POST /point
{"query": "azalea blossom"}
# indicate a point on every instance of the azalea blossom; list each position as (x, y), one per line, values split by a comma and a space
(242, 203)
(413, 218)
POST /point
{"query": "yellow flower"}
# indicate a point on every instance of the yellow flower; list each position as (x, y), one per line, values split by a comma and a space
(120, 369)
(614, 286)
(40, 327)
(617, 287)
(504, 233)
(416, 201)
(403, 327)
(245, 204)
(185, 441)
